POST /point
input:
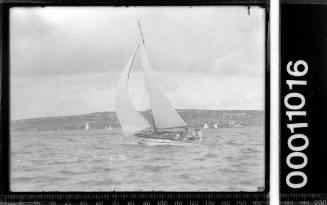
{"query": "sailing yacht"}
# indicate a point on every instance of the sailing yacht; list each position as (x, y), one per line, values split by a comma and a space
(166, 126)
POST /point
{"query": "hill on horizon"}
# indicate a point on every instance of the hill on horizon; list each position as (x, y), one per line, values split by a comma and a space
(101, 120)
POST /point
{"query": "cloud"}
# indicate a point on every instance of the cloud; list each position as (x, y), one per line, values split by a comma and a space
(98, 40)
(211, 92)
(67, 60)
(61, 95)
(239, 63)
(26, 24)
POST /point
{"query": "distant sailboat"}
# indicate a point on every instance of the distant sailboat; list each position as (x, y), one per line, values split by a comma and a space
(87, 127)
(108, 128)
(205, 126)
(165, 120)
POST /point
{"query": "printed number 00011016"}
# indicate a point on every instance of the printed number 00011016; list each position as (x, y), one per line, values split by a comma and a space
(295, 102)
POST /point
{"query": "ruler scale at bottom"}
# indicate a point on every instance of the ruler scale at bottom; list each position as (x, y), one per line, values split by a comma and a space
(139, 198)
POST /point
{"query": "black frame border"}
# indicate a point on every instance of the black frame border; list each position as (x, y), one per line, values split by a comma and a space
(299, 196)
(5, 192)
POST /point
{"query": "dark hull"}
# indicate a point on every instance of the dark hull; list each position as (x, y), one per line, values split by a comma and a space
(164, 138)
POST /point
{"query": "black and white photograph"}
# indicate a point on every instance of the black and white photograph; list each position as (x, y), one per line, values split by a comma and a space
(138, 98)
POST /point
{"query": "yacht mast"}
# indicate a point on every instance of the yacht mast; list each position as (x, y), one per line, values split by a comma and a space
(153, 123)
(141, 33)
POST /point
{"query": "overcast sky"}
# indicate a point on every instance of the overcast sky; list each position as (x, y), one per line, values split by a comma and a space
(67, 60)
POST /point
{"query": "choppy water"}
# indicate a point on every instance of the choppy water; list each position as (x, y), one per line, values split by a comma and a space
(229, 159)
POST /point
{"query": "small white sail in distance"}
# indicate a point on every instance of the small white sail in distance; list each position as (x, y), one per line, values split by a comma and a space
(129, 118)
(164, 114)
(87, 127)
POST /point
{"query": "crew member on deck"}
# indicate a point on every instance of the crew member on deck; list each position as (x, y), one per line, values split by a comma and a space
(198, 132)
(177, 136)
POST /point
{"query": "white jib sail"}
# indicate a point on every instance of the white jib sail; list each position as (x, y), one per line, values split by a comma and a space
(129, 118)
(164, 114)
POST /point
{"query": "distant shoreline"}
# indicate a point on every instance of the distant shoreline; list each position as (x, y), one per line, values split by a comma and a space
(101, 120)
(73, 115)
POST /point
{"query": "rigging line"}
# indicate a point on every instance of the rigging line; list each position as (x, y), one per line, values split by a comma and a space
(154, 125)
(148, 107)
(141, 33)
(151, 114)
(148, 102)
(130, 68)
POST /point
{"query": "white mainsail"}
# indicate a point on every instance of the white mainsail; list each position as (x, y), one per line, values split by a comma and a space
(130, 119)
(164, 114)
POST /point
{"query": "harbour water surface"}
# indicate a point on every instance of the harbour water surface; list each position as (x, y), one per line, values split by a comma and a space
(228, 159)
